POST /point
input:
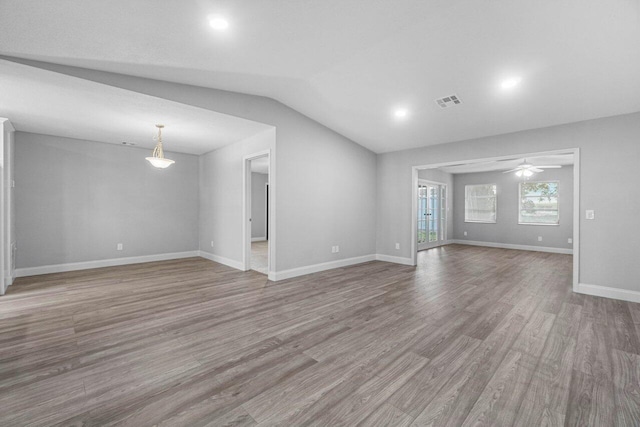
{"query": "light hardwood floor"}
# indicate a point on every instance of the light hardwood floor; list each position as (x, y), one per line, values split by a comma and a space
(473, 336)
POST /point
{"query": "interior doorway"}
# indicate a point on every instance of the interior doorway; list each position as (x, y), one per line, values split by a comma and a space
(257, 213)
(526, 207)
(432, 214)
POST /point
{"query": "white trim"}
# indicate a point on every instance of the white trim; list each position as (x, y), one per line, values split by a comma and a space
(238, 265)
(73, 266)
(395, 259)
(414, 217)
(7, 124)
(576, 218)
(516, 247)
(315, 268)
(608, 292)
(259, 239)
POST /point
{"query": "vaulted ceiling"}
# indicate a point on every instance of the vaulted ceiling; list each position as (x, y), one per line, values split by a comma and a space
(350, 64)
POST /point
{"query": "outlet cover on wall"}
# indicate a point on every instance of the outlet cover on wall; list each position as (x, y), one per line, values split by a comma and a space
(569, 240)
(465, 233)
(212, 243)
(539, 238)
(397, 245)
(119, 247)
(590, 214)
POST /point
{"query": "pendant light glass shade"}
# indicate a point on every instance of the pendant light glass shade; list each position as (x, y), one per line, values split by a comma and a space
(160, 162)
(157, 158)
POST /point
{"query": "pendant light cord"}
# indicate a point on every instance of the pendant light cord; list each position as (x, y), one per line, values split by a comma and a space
(158, 151)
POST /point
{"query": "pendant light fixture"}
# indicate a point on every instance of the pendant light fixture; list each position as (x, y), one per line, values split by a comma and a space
(157, 159)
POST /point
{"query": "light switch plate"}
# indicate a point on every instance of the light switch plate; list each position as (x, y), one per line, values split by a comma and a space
(590, 214)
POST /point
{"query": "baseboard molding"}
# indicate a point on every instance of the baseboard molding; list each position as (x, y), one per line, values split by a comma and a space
(259, 239)
(608, 292)
(516, 247)
(73, 266)
(394, 259)
(238, 265)
(315, 268)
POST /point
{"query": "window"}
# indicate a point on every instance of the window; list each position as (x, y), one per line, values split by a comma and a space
(480, 203)
(539, 203)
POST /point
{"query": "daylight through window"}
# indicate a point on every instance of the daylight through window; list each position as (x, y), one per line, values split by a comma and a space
(480, 203)
(539, 203)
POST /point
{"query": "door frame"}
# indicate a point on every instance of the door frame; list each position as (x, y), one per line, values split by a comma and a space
(429, 245)
(246, 212)
(576, 199)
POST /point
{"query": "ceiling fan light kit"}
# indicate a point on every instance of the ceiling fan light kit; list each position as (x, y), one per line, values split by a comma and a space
(157, 158)
(526, 170)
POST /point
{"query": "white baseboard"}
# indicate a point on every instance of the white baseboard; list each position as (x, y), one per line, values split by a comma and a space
(394, 259)
(238, 265)
(315, 268)
(259, 239)
(517, 247)
(72, 266)
(608, 292)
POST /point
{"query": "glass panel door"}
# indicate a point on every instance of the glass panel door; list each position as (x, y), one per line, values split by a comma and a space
(431, 214)
(422, 213)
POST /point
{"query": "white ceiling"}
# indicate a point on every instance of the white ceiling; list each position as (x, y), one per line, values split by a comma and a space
(507, 164)
(349, 63)
(44, 102)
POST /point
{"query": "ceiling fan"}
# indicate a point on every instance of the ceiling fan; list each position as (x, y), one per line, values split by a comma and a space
(527, 169)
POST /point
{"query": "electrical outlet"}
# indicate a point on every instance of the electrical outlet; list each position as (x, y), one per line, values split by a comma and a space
(212, 243)
(337, 249)
(397, 245)
(465, 233)
(119, 246)
(539, 238)
(570, 240)
(590, 214)
(333, 249)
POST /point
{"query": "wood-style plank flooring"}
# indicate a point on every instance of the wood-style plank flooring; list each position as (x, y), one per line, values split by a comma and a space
(472, 336)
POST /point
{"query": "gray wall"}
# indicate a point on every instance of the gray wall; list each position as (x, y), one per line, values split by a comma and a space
(506, 229)
(221, 195)
(610, 150)
(326, 183)
(76, 200)
(443, 177)
(259, 204)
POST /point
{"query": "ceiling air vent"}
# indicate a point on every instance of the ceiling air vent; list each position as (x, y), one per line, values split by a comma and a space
(448, 101)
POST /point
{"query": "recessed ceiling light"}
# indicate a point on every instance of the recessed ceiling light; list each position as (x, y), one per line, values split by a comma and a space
(510, 83)
(401, 113)
(218, 22)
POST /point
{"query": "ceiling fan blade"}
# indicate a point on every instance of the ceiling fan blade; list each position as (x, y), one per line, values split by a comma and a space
(512, 170)
(535, 169)
(549, 167)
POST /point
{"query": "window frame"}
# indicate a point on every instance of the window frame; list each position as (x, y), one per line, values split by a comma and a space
(557, 182)
(471, 221)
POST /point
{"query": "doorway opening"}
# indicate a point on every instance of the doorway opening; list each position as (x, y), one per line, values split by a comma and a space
(257, 213)
(432, 214)
(525, 201)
